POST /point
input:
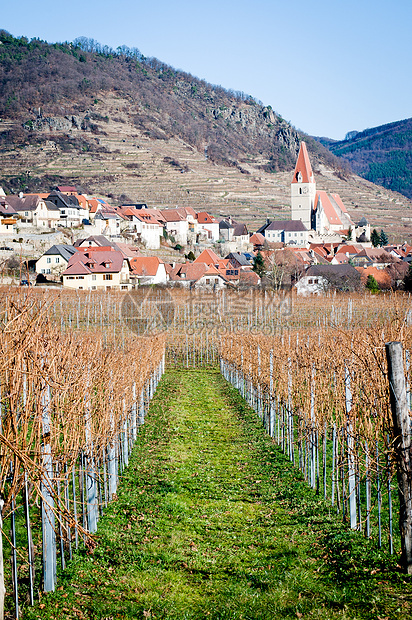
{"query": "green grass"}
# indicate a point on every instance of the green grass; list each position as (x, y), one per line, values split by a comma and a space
(212, 521)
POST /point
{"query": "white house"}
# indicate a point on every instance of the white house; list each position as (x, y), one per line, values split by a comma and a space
(96, 269)
(55, 260)
(147, 270)
(208, 225)
(289, 232)
(317, 279)
(176, 225)
(143, 225)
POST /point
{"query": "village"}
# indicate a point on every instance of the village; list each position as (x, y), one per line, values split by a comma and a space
(121, 247)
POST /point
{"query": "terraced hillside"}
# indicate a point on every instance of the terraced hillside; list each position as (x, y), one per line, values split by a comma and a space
(119, 161)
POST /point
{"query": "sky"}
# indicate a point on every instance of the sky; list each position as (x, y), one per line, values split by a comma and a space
(327, 67)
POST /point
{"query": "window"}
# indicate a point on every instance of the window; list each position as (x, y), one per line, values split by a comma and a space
(57, 259)
(207, 280)
(93, 276)
(107, 276)
(48, 261)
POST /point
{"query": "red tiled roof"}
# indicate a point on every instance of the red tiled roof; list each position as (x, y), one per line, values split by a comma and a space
(381, 275)
(173, 215)
(339, 202)
(145, 265)
(67, 188)
(187, 272)
(328, 208)
(303, 166)
(351, 249)
(341, 258)
(205, 218)
(257, 239)
(102, 261)
(207, 256)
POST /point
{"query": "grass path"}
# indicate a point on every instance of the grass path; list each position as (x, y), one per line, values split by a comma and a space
(211, 521)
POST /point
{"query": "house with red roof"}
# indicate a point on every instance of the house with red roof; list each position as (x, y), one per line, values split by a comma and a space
(208, 257)
(145, 270)
(144, 225)
(176, 225)
(199, 275)
(97, 268)
(208, 226)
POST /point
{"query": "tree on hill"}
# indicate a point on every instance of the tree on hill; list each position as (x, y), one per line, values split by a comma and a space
(375, 238)
(383, 238)
(259, 265)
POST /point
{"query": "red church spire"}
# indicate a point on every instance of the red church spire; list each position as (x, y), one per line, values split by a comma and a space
(303, 170)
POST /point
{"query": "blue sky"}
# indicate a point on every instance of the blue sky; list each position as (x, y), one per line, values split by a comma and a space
(327, 67)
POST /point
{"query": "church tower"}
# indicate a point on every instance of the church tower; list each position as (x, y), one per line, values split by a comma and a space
(303, 189)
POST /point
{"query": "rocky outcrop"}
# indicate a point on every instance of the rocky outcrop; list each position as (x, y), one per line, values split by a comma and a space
(57, 123)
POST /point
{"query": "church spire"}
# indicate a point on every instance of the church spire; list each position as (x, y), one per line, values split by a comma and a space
(303, 170)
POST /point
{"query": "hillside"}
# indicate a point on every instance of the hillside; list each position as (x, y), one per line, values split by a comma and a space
(383, 155)
(131, 128)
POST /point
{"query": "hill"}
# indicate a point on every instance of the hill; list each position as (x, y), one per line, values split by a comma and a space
(131, 128)
(383, 154)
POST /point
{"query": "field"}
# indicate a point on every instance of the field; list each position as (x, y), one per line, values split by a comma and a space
(164, 492)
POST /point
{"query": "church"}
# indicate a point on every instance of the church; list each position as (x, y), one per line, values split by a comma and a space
(319, 211)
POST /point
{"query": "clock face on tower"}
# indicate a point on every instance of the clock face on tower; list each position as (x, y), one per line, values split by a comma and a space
(305, 190)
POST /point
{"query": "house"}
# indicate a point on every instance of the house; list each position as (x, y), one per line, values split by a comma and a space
(318, 279)
(381, 276)
(289, 232)
(55, 260)
(258, 241)
(24, 206)
(34, 209)
(145, 225)
(208, 257)
(8, 225)
(373, 257)
(72, 210)
(69, 190)
(47, 215)
(97, 268)
(190, 214)
(147, 270)
(234, 233)
(95, 241)
(8, 218)
(198, 275)
(107, 223)
(208, 226)
(239, 260)
(176, 225)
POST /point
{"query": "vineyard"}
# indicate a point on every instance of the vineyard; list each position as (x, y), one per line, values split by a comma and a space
(79, 370)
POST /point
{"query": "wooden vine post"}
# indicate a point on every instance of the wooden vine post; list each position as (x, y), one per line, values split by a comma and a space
(402, 447)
